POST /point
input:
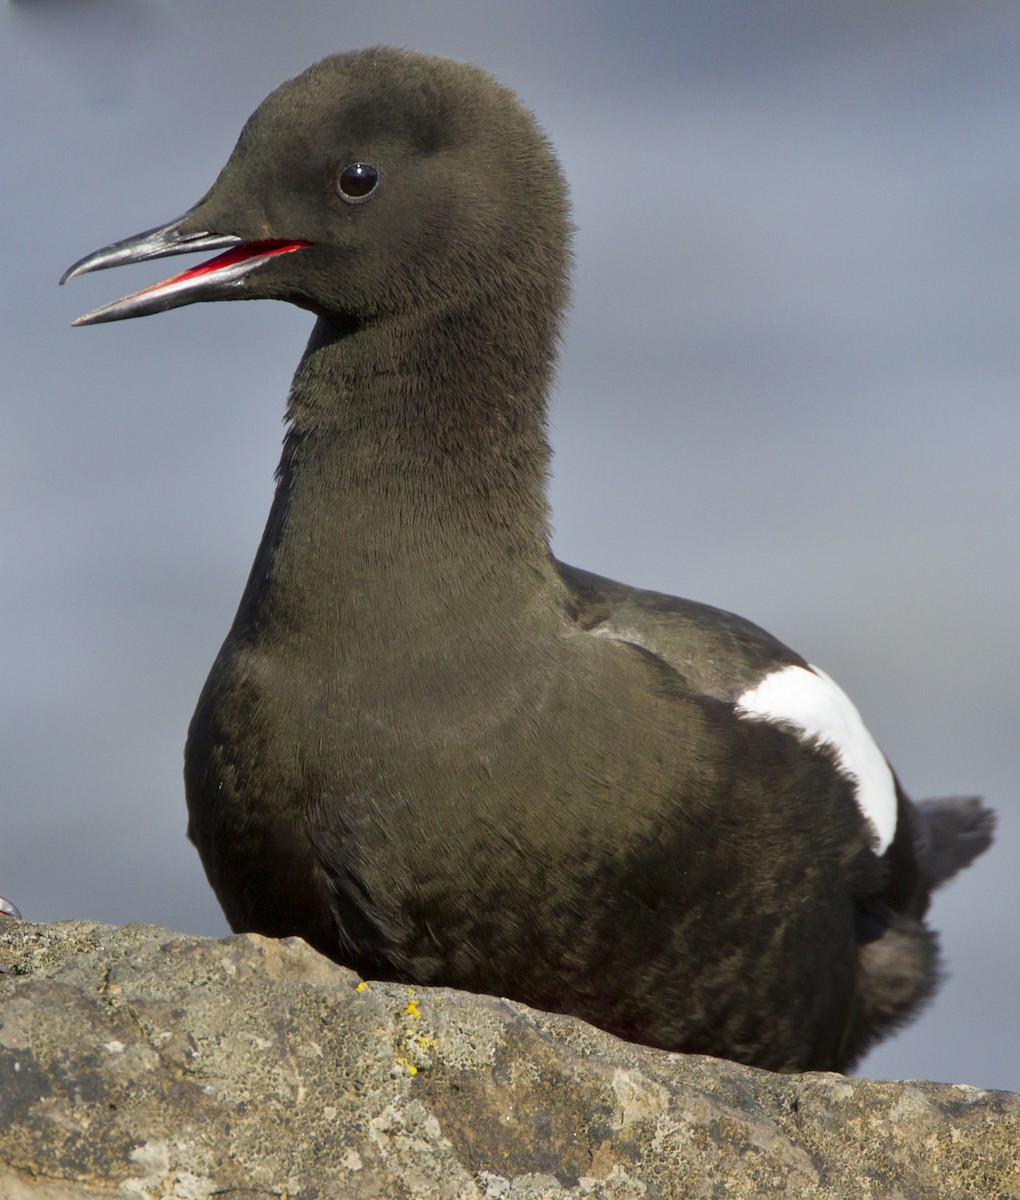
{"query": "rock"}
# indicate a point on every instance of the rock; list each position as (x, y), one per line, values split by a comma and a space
(135, 1062)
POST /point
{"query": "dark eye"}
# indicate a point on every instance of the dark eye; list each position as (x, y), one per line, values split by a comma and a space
(357, 182)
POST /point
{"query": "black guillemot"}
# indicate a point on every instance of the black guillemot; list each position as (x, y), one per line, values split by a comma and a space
(428, 747)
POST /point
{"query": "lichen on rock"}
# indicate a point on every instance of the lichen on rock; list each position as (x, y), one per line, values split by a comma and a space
(145, 1064)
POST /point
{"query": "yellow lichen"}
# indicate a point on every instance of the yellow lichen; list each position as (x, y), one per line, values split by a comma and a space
(412, 1010)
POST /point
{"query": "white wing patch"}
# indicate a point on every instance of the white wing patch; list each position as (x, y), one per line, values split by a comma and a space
(816, 705)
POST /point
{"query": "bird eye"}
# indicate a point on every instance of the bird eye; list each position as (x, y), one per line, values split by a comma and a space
(357, 182)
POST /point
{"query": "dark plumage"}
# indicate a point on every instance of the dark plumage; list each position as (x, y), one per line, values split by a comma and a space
(432, 750)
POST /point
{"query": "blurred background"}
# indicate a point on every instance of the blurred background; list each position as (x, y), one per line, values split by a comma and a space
(788, 388)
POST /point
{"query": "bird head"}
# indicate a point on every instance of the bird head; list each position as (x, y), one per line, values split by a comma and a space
(377, 183)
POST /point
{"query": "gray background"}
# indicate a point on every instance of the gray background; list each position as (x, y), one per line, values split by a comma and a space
(789, 388)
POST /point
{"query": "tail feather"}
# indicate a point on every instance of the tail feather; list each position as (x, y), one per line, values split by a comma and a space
(951, 831)
(898, 964)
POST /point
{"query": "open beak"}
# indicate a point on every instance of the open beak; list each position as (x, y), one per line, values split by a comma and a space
(221, 278)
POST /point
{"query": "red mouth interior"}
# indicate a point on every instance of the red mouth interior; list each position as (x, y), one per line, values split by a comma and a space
(234, 255)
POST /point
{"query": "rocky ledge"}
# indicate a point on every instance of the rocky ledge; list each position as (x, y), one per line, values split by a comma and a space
(136, 1062)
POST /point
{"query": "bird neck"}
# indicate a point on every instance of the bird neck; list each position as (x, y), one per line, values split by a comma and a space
(411, 491)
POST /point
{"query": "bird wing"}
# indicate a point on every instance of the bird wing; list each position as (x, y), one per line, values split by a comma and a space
(716, 652)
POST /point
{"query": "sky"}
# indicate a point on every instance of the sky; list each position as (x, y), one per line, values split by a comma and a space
(788, 388)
